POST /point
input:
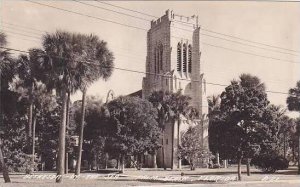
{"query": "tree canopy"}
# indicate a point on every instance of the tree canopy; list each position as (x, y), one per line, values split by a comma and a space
(133, 126)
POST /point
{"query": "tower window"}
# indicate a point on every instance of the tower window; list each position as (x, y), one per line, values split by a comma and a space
(155, 61)
(184, 58)
(190, 59)
(179, 57)
(161, 56)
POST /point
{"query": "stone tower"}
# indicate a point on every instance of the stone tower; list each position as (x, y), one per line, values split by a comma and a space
(173, 64)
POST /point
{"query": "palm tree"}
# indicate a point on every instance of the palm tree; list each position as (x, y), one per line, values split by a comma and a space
(100, 60)
(180, 107)
(293, 102)
(214, 103)
(72, 62)
(5, 67)
(170, 107)
(60, 70)
(28, 71)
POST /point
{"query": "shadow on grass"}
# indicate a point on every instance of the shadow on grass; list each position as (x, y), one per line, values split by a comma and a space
(290, 171)
(168, 182)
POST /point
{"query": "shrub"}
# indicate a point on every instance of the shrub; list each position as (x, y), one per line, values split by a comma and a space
(270, 163)
(112, 163)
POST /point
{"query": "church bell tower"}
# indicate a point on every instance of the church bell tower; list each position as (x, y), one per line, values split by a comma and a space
(173, 63)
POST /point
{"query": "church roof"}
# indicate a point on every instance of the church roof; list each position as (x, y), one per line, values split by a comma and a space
(136, 94)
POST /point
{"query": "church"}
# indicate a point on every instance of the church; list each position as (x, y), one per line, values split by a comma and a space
(173, 63)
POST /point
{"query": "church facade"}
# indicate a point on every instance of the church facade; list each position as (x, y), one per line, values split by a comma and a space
(173, 63)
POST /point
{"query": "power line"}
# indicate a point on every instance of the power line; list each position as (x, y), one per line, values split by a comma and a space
(11, 34)
(247, 44)
(81, 14)
(136, 71)
(20, 29)
(142, 13)
(205, 29)
(203, 34)
(26, 27)
(183, 28)
(250, 40)
(111, 10)
(126, 9)
(248, 53)
(21, 34)
(143, 57)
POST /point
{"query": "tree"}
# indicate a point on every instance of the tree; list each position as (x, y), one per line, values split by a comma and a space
(69, 57)
(27, 84)
(273, 148)
(27, 80)
(191, 147)
(6, 73)
(100, 61)
(279, 131)
(171, 106)
(133, 129)
(293, 102)
(95, 132)
(242, 105)
(48, 121)
(214, 103)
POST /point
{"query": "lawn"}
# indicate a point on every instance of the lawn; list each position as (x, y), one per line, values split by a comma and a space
(150, 177)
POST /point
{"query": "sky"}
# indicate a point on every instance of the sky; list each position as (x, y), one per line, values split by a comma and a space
(271, 23)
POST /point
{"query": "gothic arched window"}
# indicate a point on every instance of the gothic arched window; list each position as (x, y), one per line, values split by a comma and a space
(190, 59)
(155, 61)
(179, 57)
(161, 56)
(184, 58)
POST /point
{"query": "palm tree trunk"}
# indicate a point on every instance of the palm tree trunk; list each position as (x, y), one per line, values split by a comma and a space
(67, 125)
(163, 151)
(294, 153)
(2, 163)
(172, 157)
(78, 165)
(4, 168)
(218, 158)
(284, 145)
(154, 159)
(178, 143)
(225, 163)
(118, 162)
(96, 162)
(62, 139)
(299, 155)
(248, 167)
(30, 120)
(33, 140)
(239, 169)
(106, 159)
(122, 163)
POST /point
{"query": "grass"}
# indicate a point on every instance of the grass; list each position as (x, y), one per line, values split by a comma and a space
(145, 177)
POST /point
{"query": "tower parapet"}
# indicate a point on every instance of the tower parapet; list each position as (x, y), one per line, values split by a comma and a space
(171, 16)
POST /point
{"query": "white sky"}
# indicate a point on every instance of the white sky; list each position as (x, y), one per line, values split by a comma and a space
(273, 23)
